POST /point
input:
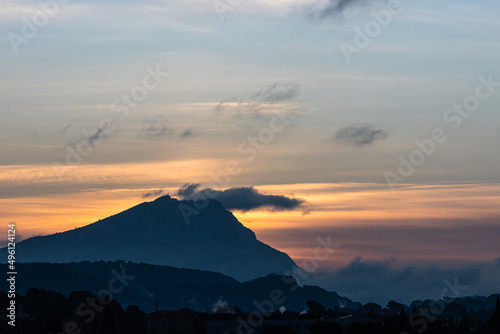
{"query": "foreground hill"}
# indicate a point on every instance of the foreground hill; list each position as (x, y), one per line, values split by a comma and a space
(173, 288)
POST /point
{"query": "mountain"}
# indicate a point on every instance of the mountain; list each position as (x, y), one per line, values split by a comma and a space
(173, 288)
(157, 233)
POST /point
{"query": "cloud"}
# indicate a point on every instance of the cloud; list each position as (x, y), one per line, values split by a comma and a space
(186, 133)
(259, 102)
(153, 193)
(156, 127)
(359, 135)
(66, 128)
(188, 190)
(333, 7)
(96, 136)
(277, 92)
(243, 198)
(368, 280)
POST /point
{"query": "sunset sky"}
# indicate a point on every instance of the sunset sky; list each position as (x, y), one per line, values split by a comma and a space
(106, 104)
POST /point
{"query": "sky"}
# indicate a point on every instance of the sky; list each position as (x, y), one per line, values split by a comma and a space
(373, 122)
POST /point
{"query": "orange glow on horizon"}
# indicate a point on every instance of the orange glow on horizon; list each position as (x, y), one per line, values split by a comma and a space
(330, 204)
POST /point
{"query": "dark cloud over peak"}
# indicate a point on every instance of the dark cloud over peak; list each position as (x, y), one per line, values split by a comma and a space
(242, 198)
(153, 193)
(359, 135)
(188, 190)
(247, 198)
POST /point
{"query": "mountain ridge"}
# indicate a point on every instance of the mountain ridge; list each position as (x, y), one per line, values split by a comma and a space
(173, 288)
(156, 233)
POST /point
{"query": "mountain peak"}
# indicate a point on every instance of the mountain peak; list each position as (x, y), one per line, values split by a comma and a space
(158, 232)
(210, 204)
(163, 198)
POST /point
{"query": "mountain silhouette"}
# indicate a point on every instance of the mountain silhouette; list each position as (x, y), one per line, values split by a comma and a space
(173, 288)
(157, 233)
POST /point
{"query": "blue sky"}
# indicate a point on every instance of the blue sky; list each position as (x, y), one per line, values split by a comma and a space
(428, 58)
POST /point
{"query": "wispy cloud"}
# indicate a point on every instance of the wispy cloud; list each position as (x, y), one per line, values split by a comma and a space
(186, 133)
(333, 7)
(188, 190)
(98, 135)
(153, 193)
(358, 135)
(261, 100)
(93, 139)
(156, 127)
(277, 92)
(66, 128)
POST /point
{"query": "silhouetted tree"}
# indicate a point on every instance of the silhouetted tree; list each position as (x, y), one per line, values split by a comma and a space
(326, 327)
(314, 308)
(51, 325)
(395, 307)
(497, 311)
(330, 314)
(44, 305)
(356, 328)
(403, 319)
(372, 309)
(136, 320)
(289, 315)
(78, 297)
(466, 324)
(108, 321)
(4, 300)
(278, 330)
